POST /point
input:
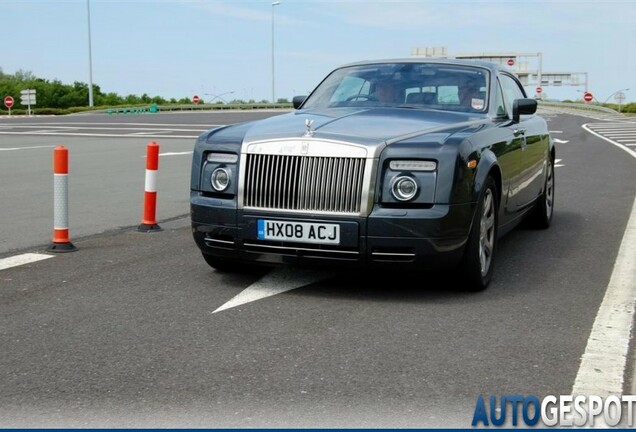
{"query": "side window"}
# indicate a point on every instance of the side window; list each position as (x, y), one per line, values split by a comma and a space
(500, 108)
(511, 91)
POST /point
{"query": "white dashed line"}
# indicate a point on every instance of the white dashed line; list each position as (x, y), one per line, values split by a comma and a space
(277, 281)
(24, 148)
(560, 141)
(19, 260)
(602, 369)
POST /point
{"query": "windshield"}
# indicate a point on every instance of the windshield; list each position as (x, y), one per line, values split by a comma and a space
(408, 85)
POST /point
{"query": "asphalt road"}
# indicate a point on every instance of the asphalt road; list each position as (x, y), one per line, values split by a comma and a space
(107, 170)
(124, 333)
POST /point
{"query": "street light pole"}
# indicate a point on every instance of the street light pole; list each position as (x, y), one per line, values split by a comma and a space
(218, 96)
(90, 56)
(276, 3)
(617, 91)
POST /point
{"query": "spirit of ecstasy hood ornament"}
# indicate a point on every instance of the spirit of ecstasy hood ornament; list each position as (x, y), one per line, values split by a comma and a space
(309, 132)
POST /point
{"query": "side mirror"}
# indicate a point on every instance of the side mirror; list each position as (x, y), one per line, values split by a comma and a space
(298, 101)
(523, 106)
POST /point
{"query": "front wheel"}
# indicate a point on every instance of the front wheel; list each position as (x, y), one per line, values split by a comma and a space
(541, 216)
(479, 257)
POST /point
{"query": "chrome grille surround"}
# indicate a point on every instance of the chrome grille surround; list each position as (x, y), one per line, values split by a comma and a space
(307, 176)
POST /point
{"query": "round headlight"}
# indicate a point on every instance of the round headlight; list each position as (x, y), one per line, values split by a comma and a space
(220, 179)
(404, 188)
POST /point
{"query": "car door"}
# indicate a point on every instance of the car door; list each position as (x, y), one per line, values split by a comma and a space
(508, 152)
(528, 141)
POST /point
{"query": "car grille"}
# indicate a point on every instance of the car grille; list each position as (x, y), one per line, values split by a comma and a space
(304, 183)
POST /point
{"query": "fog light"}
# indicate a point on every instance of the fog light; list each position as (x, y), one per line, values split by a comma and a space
(404, 188)
(220, 179)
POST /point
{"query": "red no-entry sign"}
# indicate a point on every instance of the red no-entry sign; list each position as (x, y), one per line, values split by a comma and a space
(587, 97)
(8, 101)
(195, 99)
(539, 89)
(511, 62)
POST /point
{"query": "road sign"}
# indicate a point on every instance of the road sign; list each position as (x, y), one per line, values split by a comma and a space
(27, 97)
(619, 97)
(511, 62)
(8, 101)
(587, 97)
(539, 89)
(195, 99)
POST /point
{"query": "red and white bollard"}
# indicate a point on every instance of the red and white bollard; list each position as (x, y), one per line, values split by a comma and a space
(61, 237)
(149, 220)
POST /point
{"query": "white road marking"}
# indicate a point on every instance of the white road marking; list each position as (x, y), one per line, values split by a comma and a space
(176, 153)
(19, 260)
(555, 132)
(613, 128)
(99, 127)
(38, 124)
(101, 135)
(560, 141)
(557, 164)
(602, 369)
(620, 146)
(24, 148)
(146, 133)
(44, 131)
(277, 281)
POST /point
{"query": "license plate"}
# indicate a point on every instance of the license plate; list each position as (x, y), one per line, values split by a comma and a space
(301, 232)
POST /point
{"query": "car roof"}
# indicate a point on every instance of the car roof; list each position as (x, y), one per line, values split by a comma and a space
(460, 62)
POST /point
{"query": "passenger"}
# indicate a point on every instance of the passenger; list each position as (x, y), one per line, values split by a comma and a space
(471, 97)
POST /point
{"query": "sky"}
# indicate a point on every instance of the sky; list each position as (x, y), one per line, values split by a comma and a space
(222, 49)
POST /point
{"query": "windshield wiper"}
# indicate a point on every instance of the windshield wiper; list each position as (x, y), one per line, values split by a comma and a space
(420, 107)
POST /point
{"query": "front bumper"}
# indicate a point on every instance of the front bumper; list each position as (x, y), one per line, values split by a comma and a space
(411, 238)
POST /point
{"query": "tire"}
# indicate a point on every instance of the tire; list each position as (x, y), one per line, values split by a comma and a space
(481, 248)
(541, 216)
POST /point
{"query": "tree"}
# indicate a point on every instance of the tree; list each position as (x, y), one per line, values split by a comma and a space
(55, 94)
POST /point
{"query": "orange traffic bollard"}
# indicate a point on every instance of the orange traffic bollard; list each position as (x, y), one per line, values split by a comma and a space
(149, 220)
(61, 233)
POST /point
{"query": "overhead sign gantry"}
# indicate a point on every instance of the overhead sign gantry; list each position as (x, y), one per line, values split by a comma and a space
(527, 66)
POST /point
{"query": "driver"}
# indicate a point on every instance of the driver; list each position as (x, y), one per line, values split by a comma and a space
(385, 91)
